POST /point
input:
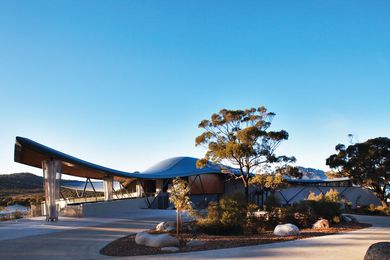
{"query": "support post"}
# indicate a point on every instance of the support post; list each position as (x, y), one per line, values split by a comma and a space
(108, 188)
(51, 185)
(159, 186)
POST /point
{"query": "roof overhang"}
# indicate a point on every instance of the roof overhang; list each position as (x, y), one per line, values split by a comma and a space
(32, 153)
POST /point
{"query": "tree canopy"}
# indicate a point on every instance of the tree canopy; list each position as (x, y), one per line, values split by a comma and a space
(367, 164)
(268, 182)
(242, 139)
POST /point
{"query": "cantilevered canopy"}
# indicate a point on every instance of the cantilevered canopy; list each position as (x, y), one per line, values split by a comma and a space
(32, 153)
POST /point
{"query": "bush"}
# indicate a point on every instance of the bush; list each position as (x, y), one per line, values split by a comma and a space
(271, 202)
(380, 210)
(17, 215)
(312, 210)
(312, 196)
(332, 196)
(226, 217)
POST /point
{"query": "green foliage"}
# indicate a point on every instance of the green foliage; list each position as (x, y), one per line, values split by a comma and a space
(372, 210)
(178, 194)
(332, 196)
(367, 164)
(312, 210)
(379, 210)
(313, 197)
(333, 174)
(233, 210)
(228, 217)
(267, 181)
(290, 171)
(241, 138)
(315, 207)
(271, 202)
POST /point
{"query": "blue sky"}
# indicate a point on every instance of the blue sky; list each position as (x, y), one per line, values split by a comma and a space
(125, 83)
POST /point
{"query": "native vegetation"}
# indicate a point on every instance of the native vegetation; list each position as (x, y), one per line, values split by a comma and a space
(243, 139)
(178, 195)
(366, 164)
(232, 215)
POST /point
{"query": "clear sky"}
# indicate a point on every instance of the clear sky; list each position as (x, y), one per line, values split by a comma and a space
(125, 83)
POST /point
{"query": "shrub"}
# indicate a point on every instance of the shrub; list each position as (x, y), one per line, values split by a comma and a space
(226, 217)
(17, 215)
(332, 196)
(380, 210)
(310, 211)
(233, 211)
(313, 197)
(271, 202)
(214, 212)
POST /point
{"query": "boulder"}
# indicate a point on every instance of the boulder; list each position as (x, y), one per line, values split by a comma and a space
(166, 226)
(155, 240)
(322, 223)
(286, 230)
(170, 249)
(194, 242)
(378, 251)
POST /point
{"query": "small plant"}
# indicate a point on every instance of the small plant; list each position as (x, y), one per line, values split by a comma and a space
(271, 202)
(227, 217)
(332, 196)
(178, 195)
(17, 215)
(380, 210)
(313, 197)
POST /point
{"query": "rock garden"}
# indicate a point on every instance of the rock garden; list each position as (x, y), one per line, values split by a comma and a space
(232, 222)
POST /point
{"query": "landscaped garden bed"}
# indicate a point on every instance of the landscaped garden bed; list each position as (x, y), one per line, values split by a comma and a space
(126, 246)
(233, 222)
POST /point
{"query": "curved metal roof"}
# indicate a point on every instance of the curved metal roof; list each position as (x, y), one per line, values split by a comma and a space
(178, 167)
(33, 153)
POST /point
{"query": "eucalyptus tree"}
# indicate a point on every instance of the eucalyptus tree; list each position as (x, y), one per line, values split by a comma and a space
(367, 164)
(242, 139)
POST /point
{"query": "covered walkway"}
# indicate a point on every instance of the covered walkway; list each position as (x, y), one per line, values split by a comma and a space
(152, 182)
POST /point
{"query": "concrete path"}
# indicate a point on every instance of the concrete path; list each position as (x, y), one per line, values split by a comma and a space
(352, 245)
(71, 238)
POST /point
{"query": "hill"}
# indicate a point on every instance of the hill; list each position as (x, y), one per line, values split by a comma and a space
(312, 174)
(20, 181)
(24, 188)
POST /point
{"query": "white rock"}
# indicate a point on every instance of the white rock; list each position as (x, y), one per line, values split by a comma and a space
(170, 249)
(156, 240)
(141, 238)
(195, 242)
(166, 226)
(322, 223)
(286, 230)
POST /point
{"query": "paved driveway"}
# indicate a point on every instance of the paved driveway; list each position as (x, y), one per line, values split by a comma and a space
(71, 238)
(83, 238)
